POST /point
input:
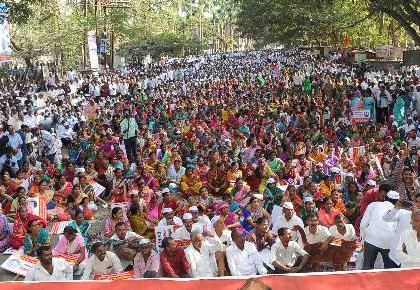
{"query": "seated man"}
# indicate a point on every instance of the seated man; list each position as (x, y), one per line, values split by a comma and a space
(346, 237)
(286, 255)
(49, 268)
(261, 235)
(243, 257)
(147, 260)
(101, 262)
(316, 240)
(289, 220)
(122, 244)
(200, 255)
(173, 261)
(184, 232)
(169, 218)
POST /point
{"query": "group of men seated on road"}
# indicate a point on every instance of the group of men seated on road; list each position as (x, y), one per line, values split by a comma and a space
(236, 164)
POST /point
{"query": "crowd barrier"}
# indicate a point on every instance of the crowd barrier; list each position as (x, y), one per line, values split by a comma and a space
(357, 280)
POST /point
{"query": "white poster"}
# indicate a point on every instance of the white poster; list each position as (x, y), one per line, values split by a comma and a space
(5, 49)
(93, 50)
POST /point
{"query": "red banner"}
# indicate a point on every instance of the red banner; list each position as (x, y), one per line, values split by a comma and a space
(358, 280)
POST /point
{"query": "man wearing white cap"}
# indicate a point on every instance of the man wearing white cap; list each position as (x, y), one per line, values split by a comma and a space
(184, 232)
(200, 255)
(289, 220)
(376, 233)
(169, 218)
(147, 260)
(200, 219)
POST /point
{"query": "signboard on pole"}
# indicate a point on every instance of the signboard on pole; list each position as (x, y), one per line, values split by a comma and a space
(5, 49)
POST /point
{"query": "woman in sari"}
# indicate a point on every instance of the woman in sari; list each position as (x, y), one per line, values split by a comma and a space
(84, 186)
(251, 213)
(90, 171)
(240, 192)
(117, 215)
(80, 224)
(201, 170)
(190, 183)
(36, 236)
(327, 213)
(4, 231)
(63, 189)
(138, 222)
(120, 187)
(101, 162)
(72, 243)
(22, 218)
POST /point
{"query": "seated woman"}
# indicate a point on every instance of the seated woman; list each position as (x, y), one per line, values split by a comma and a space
(120, 187)
(251, 213)
(4, 231)
(117, 215)
(240, 192)
(138, 221)
(204, 200)
(80, 224)
(190, 182)
(20, 226)
(72, 243)
(84, 207)
(63, 189)
(327, 213)
(36, 236)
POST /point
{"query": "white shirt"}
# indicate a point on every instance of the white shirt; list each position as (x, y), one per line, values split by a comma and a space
(15, 141)
(350, 234)
(401, 216)
(246, 262)
(177, 221)
(201, 261)
(128, 234)
(281, 222)
(321, 235)
(411, 259)
(286, 256)
(373, 229)
(110, 264)
(62, 271)
(225, 239)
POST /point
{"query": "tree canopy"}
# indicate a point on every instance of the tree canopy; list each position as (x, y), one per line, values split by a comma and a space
(327, 22)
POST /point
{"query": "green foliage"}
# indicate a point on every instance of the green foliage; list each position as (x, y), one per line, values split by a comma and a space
(318, 22)
(20, 11)
(156, 45)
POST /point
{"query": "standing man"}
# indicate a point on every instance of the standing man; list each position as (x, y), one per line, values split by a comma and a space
(49, 268)
(377, 234)
(16, 142)
(129, 130)
(407, 249)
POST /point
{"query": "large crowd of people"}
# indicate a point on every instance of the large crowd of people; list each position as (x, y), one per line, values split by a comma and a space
(235, 164)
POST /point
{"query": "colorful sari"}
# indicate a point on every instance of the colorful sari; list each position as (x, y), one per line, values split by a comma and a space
(20, 228)
(41, 239)
(5, 232)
